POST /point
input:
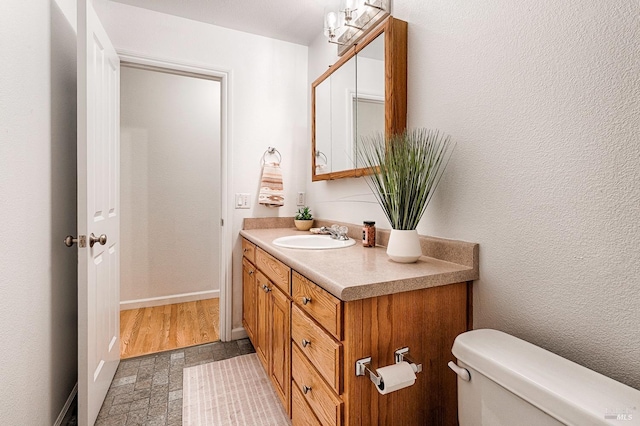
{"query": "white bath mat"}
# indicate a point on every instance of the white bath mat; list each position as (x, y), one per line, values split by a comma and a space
(234, 392)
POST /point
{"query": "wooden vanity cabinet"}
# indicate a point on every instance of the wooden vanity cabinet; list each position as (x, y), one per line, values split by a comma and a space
(427, 321)
(314, 342)
(267, 315)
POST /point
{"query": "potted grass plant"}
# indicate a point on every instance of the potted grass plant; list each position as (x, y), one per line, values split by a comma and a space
(404, 171)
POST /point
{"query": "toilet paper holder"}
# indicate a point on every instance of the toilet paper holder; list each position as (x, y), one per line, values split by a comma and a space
(400, 355)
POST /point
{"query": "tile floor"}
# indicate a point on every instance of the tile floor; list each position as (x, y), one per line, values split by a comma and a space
(148, 390)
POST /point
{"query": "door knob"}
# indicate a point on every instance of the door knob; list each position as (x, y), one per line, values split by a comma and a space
(69, 241)
(102, 239)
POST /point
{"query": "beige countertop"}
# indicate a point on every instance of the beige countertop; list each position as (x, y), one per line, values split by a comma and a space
(359, 272)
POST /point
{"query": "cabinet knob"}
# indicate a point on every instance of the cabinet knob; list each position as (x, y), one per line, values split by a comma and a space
(306, 300)
(266, 289)
(251, 272)
(306, 389)
(305, 343)
(244, 250)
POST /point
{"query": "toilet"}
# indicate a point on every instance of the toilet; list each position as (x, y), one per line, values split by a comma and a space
(503, 380)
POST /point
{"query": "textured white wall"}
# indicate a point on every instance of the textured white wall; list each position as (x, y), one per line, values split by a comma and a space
(543, 102)
(38, 275)
(268, 94)
(170, 184)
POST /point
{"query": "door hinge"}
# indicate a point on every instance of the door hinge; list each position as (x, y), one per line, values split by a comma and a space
(221, 222)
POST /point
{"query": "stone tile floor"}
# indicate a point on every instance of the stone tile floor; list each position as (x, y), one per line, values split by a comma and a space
(147, 390)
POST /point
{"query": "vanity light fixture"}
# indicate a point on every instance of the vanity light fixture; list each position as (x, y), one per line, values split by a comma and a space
(352, 21)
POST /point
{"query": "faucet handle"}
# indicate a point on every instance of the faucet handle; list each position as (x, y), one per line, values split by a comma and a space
(337, 232)
(342, 233)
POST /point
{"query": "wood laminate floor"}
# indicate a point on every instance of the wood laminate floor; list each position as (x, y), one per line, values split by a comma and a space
(161, 328)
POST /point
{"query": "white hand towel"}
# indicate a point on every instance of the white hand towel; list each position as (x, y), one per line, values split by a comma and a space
(271, 187)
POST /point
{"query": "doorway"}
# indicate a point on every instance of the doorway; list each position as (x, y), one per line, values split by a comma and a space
(171, 191)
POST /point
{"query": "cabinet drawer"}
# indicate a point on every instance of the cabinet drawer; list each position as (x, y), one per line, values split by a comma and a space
(318, 303)
(325, 404)
(249, 250)
(278, 272)
(301, 413)
(318, 346)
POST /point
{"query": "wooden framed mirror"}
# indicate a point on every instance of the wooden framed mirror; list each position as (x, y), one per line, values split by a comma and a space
(363, 93)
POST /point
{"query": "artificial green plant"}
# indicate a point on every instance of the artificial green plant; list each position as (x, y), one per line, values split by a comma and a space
(404, 171)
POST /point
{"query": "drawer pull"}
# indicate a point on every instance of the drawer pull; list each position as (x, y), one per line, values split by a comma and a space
(306, 389)
(306, 300)
(266, 289)
(305, 343)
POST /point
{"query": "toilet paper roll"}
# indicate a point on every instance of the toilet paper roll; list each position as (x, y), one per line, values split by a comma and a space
(395, 377)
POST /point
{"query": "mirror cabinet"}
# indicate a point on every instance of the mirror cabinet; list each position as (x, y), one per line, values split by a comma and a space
(363, 94)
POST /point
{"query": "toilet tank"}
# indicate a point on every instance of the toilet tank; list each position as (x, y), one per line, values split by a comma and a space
(513, 382)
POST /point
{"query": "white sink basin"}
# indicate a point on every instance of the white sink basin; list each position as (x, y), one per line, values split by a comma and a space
(312, 242)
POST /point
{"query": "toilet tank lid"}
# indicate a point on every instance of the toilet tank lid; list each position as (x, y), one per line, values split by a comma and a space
(567, 391)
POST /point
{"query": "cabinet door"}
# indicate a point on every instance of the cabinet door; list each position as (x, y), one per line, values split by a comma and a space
(263, 288)
(280, 346)
(249, 298)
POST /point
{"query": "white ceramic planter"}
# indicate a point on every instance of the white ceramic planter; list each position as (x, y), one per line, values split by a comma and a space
(404, 246)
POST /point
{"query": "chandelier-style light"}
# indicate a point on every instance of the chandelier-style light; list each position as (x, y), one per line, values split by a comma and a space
(352, 20)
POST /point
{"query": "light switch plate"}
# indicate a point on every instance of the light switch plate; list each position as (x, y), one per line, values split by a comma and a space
(300, 199)
(243, 200)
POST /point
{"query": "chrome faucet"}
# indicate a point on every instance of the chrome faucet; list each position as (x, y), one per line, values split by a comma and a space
(337, 232)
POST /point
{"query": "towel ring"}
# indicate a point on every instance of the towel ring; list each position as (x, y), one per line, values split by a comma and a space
(320, 154)
(271, 151)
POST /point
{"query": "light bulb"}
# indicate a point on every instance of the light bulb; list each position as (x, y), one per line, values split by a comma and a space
(330, 20)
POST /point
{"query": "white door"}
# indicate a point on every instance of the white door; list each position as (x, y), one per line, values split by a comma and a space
(98, 213)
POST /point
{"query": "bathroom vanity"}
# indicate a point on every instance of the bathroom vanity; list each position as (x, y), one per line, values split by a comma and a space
(311, 314)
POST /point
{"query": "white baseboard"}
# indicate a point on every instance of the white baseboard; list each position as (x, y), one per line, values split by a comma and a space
(238, 333)
(167, 300)
(67, 405)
